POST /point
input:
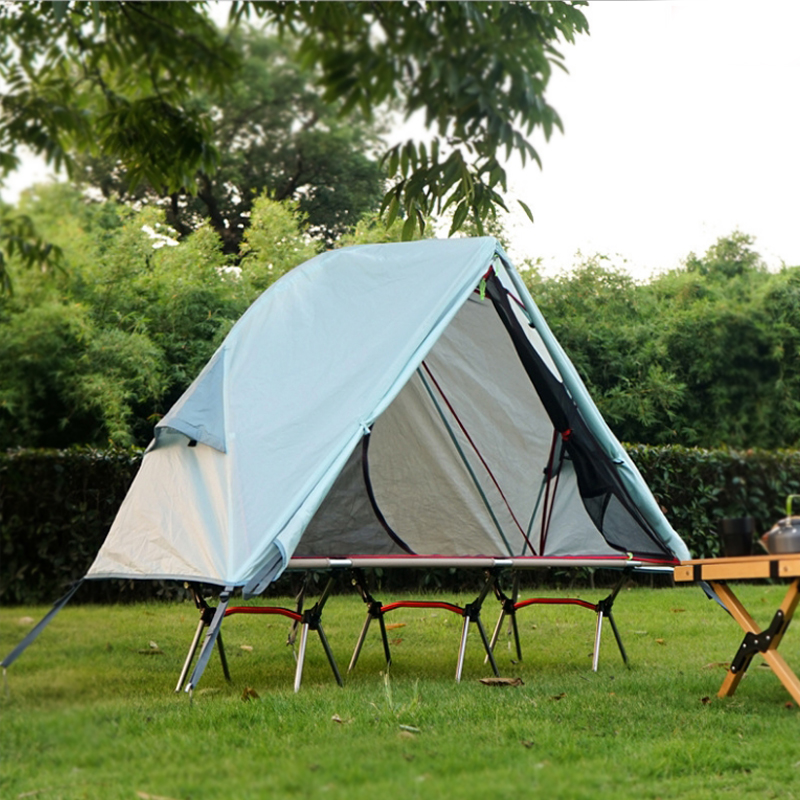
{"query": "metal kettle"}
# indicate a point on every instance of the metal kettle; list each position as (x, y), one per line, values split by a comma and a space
(784, 536)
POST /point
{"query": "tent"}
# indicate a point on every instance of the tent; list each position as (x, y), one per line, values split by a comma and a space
(394, 403)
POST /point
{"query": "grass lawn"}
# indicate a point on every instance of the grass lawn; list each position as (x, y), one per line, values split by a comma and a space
(90, 710)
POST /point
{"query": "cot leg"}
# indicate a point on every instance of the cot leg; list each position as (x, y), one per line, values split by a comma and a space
(597, 634)
(222, 658)
(311, 620)
(374, 611)
(496, 632)
(192, 652)
(604, 610)
(360, 643)
(617, 637)
(385, 639)
(487, 646)
(301, 657)
(206, 617)
(462, 648)
(508, 610)
(329, 653)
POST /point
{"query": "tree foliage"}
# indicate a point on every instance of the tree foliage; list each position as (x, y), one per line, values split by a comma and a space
(706, 355)
(95, 352)
(274, 134)
(123, 79)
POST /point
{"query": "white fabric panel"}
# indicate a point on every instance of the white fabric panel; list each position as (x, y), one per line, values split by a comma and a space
(477, 367)
(173, 521)
(345, 524)
(421, 486)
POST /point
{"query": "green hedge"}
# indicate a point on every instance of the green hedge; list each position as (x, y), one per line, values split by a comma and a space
(56, 508)
(696, 488)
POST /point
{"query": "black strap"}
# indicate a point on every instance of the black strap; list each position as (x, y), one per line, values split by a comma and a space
(44, 622)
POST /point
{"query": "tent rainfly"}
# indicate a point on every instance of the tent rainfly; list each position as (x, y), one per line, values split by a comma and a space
(386, 401)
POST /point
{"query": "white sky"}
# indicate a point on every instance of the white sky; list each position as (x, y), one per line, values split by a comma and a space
(682, 123)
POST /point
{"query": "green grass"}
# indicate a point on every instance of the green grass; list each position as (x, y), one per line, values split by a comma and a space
(89, 715)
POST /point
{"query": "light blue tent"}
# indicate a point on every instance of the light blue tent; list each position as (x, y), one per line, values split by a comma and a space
(393, 401)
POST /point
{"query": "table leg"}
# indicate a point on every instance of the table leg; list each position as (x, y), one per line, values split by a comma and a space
(768, 649)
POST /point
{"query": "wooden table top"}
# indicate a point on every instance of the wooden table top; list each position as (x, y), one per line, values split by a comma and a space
(739, 568)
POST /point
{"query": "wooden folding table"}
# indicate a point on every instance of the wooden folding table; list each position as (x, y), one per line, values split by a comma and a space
(717, 572)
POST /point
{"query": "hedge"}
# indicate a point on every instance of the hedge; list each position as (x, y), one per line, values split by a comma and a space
(57, 506)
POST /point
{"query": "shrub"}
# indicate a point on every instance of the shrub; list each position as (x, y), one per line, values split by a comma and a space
(696, 488)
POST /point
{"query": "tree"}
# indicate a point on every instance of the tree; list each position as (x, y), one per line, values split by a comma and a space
(274, 134)
(121, 79)
(706, 355)
(96, 352)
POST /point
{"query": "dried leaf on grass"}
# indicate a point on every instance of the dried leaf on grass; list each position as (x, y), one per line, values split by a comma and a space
(337, 719)
(153, 650)
(660, 641)
(249, 694)
(715, 664)
(146, 796)
(558, 696)
(705, 700)
(502, 681)
(247, 647)
(394, 625)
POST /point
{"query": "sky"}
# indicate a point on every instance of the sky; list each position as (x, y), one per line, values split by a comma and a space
(682, 123)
